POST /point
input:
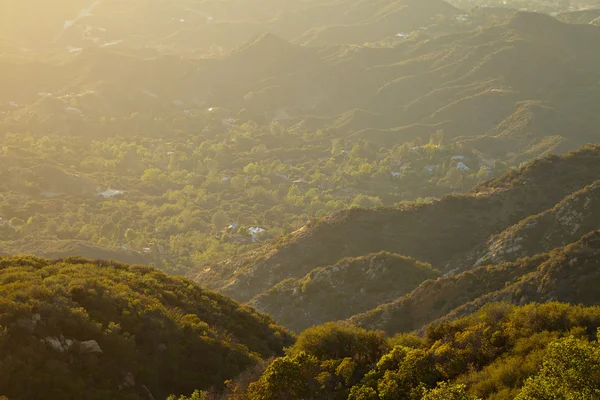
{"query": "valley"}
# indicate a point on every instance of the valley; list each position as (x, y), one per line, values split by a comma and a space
(337, 199)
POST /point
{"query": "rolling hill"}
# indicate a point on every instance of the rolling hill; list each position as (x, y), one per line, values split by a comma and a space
(519, 88)
(75, 328)
(443, 233)
(567, 274)
(342, 290)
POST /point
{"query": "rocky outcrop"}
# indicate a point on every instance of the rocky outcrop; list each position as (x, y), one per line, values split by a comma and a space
(89, 347)
(59, 344)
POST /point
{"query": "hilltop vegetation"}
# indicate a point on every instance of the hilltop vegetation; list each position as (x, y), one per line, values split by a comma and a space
(537, 352)
(76, 328)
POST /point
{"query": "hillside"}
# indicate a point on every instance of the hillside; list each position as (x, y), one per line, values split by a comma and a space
(339, 291)
(75, 328)
(537, 351)
(566, 274)
(452, 226)
(564, 223)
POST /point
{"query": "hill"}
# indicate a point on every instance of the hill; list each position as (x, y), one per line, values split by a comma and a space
(420, 79)
(453, 226)
(344, 289)
(537, 351)
(566, 274)
(564, 223)
(226, 25)
(75, 328)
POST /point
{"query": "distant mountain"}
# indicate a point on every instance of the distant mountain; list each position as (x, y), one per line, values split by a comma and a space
(339, 291)
(523, 87)
(91, 23)
(75, 328)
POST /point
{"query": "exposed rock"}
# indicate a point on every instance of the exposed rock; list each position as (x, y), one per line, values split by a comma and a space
(68, 343)
(162, 347)
(128, 380)
(58, 343)
(54, 343)
(89, 346)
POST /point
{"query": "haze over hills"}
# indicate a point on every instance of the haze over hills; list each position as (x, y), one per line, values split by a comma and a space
(472, 85)
(393, 180)
(211, 25)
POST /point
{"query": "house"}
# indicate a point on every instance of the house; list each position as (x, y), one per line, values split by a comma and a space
(254, 232)
(233, 226)
(110, 193)
(300, 182)
(429, 168)
(458, 157)
(225, 179)
(460, 165)
(396, 174)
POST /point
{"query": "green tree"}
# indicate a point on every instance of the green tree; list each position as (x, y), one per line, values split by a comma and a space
(287, 378)
(220, 220)
(197, 395)
(447, 391)
(571, 371)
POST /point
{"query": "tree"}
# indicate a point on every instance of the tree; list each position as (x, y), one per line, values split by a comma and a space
(219, 220)
(571, 371)
(447, 391)
(287, 378)
(335, 341)
(197, 395)
(437, 139)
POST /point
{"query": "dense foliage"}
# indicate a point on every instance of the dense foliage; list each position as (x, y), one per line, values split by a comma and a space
(547, 351)
(74, 328)
(199, 197)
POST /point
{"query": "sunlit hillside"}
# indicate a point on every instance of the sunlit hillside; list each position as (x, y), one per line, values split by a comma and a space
(184, 183)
